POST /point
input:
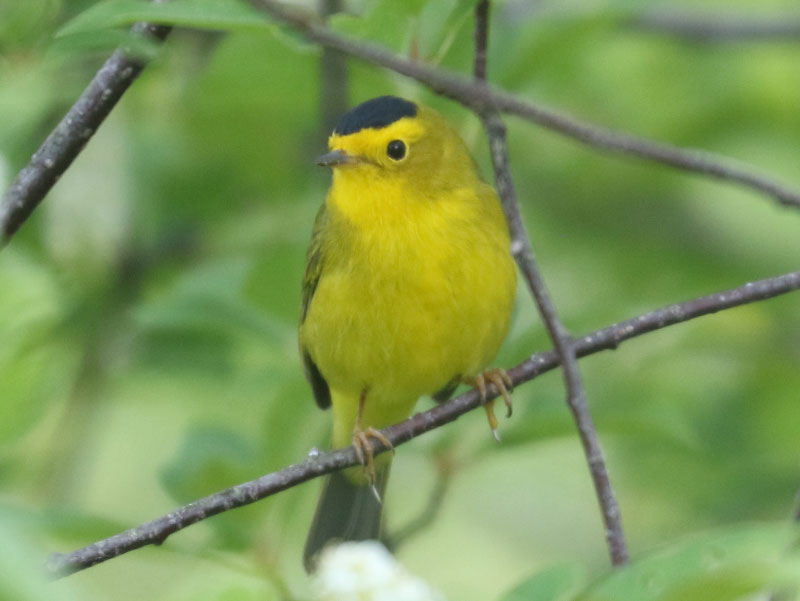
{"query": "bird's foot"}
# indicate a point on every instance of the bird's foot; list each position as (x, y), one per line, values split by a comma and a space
(365, 454)
(503, 382)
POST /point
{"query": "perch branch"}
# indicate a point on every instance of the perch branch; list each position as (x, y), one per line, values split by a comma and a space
(72, 133)
(317, 464)
(481, 98)
(559, 335)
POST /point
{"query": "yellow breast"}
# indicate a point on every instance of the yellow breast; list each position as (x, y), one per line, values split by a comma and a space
(415, 291)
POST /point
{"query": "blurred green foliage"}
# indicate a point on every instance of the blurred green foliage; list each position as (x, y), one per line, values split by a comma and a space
(148, 309)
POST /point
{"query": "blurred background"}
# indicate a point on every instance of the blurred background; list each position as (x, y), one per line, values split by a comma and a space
(148, 308)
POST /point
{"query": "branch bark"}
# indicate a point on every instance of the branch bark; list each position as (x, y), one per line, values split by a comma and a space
(482, 98)
(65, 142)
(318, 464)
(333, 77)
(707, 27)
(69, 137)
(559, 335)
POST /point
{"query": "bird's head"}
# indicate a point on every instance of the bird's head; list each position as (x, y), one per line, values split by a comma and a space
(399, 142)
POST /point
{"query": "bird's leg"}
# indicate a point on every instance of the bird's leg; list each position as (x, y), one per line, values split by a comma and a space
(363, 446)
(503, 382)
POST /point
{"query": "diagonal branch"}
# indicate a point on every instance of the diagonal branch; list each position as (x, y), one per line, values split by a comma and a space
(481, 98)
(66, 141)
(69, 137)
(317, 464)
(709, 27)
(561, 338)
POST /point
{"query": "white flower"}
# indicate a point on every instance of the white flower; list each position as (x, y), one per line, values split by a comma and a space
(366, 571)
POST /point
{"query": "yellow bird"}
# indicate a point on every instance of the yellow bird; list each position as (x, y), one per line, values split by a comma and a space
(408, 291)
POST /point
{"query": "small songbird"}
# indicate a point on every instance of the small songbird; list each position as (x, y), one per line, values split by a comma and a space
(408, 291)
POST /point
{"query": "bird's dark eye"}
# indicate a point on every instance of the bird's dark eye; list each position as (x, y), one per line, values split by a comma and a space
(396, 149)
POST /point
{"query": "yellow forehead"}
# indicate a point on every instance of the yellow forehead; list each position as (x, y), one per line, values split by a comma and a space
(369, 141)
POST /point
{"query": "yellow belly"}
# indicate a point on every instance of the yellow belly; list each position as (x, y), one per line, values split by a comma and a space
(402, 310)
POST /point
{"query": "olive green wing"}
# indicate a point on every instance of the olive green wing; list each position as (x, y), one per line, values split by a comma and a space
(314, 267)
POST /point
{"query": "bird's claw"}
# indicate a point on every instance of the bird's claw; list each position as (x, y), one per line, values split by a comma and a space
(504, 384)
(365, 454)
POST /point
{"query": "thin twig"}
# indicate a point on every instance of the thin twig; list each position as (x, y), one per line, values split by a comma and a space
(482, 98)
(66, 141)
(706, 27)
(69, 137)
(561, 338)
(480, 61)
(317, 464)
(333, 77)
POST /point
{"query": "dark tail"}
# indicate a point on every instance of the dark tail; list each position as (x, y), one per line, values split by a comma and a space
(346, 511)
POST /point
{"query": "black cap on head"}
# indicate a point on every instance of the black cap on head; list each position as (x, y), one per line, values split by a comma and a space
(376, 113)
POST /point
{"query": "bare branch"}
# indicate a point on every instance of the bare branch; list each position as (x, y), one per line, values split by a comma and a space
(707, 27)
(561, 338)
(66, 141)
(481, 36)
(69, 137)
(333, 77)
(317, 464)
(482, 98)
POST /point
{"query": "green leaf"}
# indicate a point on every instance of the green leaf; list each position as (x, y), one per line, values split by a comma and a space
(200, 14)
(212, 458)
(439, 24)
(35, 364)
(21, 576)
(721, 566)
(203, 325)
(387, 21)
(556, 583)
(209, 299)
(72, 524)
(104, 40)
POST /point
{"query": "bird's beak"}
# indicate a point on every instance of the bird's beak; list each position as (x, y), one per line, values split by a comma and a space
(334, 158)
